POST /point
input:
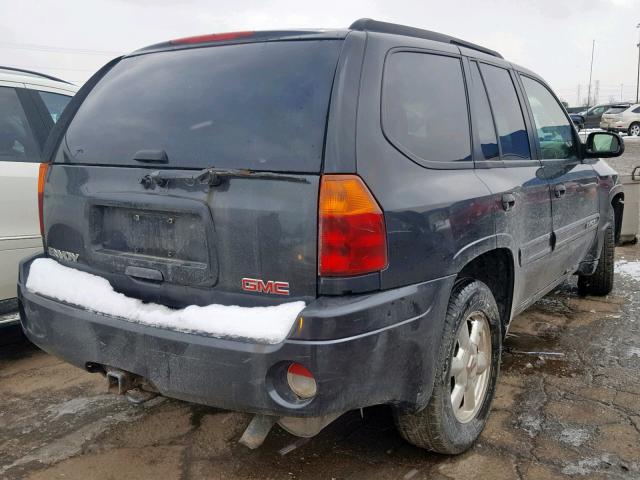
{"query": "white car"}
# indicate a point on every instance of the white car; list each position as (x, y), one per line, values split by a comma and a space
(30, 104)
(622, 119)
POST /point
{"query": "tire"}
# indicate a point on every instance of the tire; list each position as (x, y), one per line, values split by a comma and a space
(601, 282)
(438, 427)
(634, 130)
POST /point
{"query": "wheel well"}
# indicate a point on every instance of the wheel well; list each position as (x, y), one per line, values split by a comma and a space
(617, 202)
(495, 269)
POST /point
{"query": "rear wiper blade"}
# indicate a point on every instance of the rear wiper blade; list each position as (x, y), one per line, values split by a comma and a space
(212, 177)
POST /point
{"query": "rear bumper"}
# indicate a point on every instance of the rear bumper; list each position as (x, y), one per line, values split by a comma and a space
(362, 350)
(614, 127)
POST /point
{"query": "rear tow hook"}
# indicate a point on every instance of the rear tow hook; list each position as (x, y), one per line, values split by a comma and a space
(129, 385)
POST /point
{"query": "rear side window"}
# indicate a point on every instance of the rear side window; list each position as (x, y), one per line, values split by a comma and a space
(484, 123)
(424, 107)
(514, 141)
(55, 103)
(636, 110)
(618, 109)
(17, 143)
(259, 106)
(555, 133)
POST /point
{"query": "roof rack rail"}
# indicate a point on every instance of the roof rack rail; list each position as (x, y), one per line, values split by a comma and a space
(369, 25)
(37, 74)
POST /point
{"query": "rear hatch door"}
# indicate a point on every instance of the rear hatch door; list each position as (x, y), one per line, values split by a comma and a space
(191, 176)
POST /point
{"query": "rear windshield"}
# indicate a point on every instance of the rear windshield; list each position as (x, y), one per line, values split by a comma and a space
(259, 106)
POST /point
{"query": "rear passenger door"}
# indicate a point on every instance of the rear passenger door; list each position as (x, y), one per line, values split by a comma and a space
(574, 185)
(505, 164)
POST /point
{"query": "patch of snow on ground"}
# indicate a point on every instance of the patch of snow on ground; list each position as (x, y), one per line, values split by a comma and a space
(265, 324)
(574, 436)
(629, 269)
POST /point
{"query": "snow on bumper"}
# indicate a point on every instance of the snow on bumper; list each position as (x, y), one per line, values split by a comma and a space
(264, 324)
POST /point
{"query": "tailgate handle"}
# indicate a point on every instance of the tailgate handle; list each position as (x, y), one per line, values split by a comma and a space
(144, 273)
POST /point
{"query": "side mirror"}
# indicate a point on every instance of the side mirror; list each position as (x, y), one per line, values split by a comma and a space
(603, 145)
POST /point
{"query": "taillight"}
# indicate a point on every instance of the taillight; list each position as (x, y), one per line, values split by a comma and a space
(42, 174)
(352, 237)
(213, 37)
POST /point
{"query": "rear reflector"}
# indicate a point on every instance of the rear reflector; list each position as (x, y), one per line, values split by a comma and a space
(352, 236)
(301, 381)
(42, 175)
(213, 37)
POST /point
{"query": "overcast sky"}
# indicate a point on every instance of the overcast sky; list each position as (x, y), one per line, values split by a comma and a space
(72, 38)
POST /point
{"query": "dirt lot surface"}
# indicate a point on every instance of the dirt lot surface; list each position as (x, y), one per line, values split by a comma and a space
(631, 157)
(572, 410)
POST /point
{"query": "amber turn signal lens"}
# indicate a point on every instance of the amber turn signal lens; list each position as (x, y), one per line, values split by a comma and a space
(42, 176)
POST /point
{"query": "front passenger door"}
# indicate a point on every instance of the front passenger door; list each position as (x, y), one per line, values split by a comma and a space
(574, 185)
(505, 164)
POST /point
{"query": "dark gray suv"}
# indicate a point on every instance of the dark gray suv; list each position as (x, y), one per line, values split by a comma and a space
(301, 223)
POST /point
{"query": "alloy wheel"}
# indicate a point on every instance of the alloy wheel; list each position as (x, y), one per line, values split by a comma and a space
(470, 366)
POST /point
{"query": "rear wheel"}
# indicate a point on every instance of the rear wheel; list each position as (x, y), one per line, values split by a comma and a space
(469, 362)
(601, 282)
(634, 129)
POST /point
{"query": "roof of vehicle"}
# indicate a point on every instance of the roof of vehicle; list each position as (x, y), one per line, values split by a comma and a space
(32, 79)
(369, 25)
(240, 37)
(363, 25)
(619, 104)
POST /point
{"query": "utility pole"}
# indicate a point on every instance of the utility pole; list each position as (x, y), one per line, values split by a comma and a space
(593, 47)
(638, 78)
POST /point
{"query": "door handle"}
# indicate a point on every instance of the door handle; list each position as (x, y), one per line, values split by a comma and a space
(508, 201)
(559, 190)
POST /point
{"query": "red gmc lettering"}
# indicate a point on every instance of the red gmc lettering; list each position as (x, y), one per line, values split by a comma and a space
(260, 286)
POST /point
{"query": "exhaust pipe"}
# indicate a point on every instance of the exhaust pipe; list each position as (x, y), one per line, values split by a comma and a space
(261, 425)
(257, 431)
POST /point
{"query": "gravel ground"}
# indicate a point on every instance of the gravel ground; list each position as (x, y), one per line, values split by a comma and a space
(571, 410)
(631, 157)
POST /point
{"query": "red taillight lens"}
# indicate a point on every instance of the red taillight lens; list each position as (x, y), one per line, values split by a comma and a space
(42, 175)
(352, 236)
(213, 37)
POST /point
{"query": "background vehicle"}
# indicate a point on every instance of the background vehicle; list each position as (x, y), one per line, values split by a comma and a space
(622, 118)
(578, 120)
(30, 104)
(594, 114)
(412, 238)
